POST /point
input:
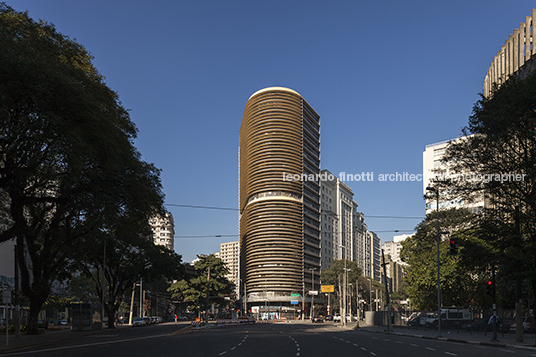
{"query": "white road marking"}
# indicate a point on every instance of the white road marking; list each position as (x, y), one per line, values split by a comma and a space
(450, 354)
(86, 345)
(414, 345)
(224, 352)
(430, 348)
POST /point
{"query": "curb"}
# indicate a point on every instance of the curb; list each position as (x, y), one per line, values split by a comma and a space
(482, 343)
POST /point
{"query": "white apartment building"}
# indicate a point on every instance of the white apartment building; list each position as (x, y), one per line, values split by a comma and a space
(163, 230)
(344, 234)
(336, 206)
(229, 254)
(435, 168)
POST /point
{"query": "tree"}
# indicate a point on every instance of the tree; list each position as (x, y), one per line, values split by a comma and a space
(459, 276)
(193, 289)
(129, 256)
(67, 158)
(500, 149)
(334, 275)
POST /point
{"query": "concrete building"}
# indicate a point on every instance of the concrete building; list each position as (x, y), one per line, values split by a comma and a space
(337, 207)
(229, 254)
(515, 57)
(344, 234)
(395, 274)
(163, 230)
(279, 199)
(394, 247)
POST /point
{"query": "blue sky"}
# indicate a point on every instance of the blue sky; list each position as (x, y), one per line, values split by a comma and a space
(386, 77)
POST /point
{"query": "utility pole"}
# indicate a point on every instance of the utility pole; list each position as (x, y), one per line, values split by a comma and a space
(389, 325)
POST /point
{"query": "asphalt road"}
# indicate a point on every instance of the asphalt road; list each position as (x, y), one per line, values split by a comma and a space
(270, 340)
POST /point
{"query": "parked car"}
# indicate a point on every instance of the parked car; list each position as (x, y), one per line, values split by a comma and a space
(415, 318)
(328, 318)
(528, 324)
(138, 321)
(337, 318)
(317, 318)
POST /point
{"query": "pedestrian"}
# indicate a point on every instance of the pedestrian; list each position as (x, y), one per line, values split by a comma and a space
(494, 319)
(175, 318)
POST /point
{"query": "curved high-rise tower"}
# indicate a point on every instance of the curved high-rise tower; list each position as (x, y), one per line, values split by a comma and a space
(279, 198)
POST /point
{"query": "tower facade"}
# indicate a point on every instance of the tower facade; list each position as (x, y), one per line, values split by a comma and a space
(279, 167)
(163, 230)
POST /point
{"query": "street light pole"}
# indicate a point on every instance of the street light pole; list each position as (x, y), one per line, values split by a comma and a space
(343, 315)
(313, 294)
(433, 189)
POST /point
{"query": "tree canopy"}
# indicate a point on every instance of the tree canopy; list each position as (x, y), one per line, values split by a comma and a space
(67, 159)
(461, 276)
(499, 148)
(192, 290)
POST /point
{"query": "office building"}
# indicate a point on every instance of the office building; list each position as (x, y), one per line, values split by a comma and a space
(279, 203)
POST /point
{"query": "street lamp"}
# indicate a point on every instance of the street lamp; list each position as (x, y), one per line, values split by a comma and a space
(312, 294)
(433, 189)
(343, 316)
(345, 292)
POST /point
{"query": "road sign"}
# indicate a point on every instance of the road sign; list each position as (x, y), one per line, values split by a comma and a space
(313, 292)
(294, 295)
(294, 302)
(327, 288)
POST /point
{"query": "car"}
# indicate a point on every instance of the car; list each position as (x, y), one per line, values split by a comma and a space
(415, 319)
(317, 318)
(329, 318)
(528, 324)
(337, 318)
(138, 321)
(63, 322)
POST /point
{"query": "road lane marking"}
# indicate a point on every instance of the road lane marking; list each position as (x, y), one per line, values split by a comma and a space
(509, 351)
(233, 348)
(430, 348)
(86, 345)
(399, 342)
(224, 352)
(356, 345)
(386, 339)
(363, 348)
(450, 354)
(372, 353)
(414, 345)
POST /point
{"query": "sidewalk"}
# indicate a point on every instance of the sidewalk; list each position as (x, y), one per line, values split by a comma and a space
(475, 337)
(49, 337)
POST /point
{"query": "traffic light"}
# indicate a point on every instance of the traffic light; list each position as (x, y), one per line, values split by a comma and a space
(489, 288)
(453, 249)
